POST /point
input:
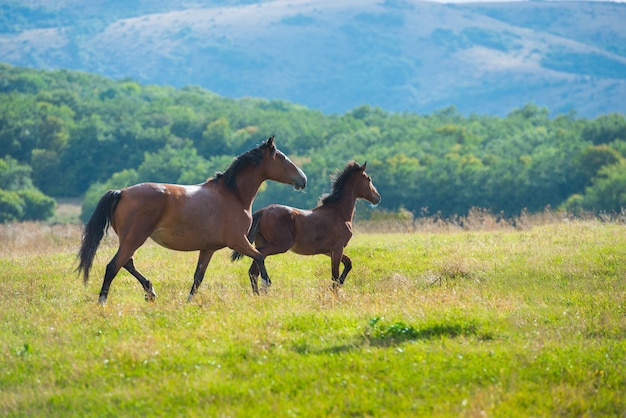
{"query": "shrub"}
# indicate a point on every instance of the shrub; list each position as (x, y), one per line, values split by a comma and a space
(37, 206)
(11, 206)
(94, 193)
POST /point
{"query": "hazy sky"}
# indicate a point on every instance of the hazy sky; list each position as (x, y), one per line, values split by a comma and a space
(499, 1)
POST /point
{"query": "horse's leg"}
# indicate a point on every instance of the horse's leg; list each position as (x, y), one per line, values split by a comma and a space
(253, 273)
(244, 247)
(270, 248)
(347, 266)
(124, 253)
(147, 286)
(260, 262)
(120, 259)
(335, 259)
(198, 276)
(110, 272)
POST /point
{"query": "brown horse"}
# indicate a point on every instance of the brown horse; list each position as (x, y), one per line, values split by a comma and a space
(204, 217)
(326, 229)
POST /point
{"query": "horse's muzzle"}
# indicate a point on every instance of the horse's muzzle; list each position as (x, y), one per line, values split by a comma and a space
(300, 182)
(376, 201)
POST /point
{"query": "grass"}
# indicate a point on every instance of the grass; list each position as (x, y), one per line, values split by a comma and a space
(501, 322)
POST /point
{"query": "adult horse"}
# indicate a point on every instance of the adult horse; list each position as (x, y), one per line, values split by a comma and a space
(204, 217)
(326, 229)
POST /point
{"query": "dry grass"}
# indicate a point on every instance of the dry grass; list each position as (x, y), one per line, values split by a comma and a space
(67, 211)
(477, 219)
(36, 238)
(45, 238)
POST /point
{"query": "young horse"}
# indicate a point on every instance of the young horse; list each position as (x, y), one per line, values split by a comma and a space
(204, 217)
(325, 229)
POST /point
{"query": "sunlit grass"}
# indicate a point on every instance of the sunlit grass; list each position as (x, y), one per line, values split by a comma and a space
(503, 322)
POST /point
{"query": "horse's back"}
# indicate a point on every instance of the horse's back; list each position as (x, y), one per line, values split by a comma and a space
(276, 221)
(142, 203)
(276, 215)
(310, 231)
(179, 217)
(150, 204)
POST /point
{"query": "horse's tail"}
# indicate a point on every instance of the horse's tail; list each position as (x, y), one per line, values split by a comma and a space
(95, 228)
(254, 230)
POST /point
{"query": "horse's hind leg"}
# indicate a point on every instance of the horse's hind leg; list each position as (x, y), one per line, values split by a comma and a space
(119, 260)
(147, 286)
(278, 246)
(336, 257)
(253, 273)
(109, 274)
(347, 266)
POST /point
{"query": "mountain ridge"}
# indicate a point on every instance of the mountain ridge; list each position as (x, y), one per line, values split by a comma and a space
(402, 56)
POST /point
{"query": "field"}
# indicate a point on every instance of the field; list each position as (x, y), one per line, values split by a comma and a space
(498, 321)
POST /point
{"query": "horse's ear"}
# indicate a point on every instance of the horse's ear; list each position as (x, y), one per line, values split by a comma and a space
(270, 141)
(363, 166)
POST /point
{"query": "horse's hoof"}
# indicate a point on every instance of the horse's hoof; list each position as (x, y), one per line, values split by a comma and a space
(150, 296)
(102, 300)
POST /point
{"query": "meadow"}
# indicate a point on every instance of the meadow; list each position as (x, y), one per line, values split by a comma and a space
(434, 320)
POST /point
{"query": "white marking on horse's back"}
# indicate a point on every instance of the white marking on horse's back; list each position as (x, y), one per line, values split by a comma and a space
(191, 190)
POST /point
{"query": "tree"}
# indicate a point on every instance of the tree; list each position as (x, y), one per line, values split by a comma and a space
(11, 206)
(170, 164)
(605, 129)
(37, 206)
(216, 138)
(119, 180)
(606, 193)
(595, 157)
(13, 175)
(19, 199)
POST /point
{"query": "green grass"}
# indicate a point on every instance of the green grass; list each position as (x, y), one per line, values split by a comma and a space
(497, 323)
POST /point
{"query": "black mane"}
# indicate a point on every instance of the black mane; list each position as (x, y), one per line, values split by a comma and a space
(254, 156)
(339, 182)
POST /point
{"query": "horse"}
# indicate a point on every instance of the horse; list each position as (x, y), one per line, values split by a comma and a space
(204, 217)
(325, 229)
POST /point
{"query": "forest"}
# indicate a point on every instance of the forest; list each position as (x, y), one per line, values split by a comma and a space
(74, 134)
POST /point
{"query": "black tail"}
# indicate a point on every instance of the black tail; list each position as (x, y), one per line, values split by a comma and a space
(95, 228)
(254, 229)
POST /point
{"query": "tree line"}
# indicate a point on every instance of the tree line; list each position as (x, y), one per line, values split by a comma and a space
(72, 134)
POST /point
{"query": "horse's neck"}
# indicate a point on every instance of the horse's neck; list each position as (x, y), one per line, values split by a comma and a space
(346, 204)
(248, 187)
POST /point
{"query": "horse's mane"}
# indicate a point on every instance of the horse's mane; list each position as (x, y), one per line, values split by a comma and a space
(339, 182)
(254, 156)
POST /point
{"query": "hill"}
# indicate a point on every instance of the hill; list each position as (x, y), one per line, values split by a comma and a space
(70, 133)
(485, 58)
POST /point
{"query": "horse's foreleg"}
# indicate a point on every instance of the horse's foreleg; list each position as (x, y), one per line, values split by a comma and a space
(347, 266)
(147, 286)
(198, 276)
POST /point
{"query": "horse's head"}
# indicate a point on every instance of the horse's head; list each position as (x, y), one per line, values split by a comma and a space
(365, 189)
(278, 166)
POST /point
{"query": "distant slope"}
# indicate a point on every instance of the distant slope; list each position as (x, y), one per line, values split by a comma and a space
(485, 58)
